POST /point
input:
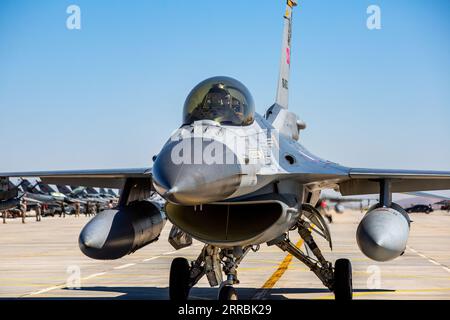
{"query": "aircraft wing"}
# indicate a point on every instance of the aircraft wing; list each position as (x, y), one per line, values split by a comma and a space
(105, 178)
(365, 181)
(428, 195)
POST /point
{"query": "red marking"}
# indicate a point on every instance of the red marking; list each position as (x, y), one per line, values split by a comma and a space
(323, 204)
(288, 56)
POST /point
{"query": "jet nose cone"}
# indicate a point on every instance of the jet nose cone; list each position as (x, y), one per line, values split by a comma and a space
(184, 173)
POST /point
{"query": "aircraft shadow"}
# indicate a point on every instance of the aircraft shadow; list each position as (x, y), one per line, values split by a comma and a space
(159, 293)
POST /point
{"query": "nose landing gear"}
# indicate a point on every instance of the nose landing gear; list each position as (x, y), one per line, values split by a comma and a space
(184, 276)
(227, 292)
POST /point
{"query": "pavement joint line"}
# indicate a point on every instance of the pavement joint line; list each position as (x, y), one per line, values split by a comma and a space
(94, 275)
(124, 266)
(150, 259)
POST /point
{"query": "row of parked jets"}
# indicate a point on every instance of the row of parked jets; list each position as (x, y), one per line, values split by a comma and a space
(53, 198)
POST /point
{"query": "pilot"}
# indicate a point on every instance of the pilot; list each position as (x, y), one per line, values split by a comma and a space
(38, 212)
(220, 106)
(23, 209)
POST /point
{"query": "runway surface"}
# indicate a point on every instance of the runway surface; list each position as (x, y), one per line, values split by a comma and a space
(42, 260)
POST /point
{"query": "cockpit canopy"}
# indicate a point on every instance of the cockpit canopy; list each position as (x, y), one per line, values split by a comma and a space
(221, 99)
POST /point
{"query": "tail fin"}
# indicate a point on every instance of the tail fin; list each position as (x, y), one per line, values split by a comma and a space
(45, 188)
(63, 189)
(283, 77)
(27, 186)
(91, 190)
(77, 190)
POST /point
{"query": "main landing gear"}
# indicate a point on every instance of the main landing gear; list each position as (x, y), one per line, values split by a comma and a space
(337, 279)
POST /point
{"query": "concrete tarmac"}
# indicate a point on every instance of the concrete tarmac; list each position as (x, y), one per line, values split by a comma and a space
(42, 260)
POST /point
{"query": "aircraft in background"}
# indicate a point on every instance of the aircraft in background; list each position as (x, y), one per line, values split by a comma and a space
(234, 180)
(112, 193)
(9, 195)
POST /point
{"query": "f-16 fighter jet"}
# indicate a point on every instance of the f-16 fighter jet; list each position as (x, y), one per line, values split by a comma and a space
(236, 180)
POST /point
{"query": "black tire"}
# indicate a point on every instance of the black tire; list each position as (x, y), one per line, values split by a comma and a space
(179, 280)
(227, 293)
(343, 286)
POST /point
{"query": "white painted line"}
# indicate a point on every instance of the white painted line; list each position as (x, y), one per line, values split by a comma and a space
(429, 259)
(150, 259)
(95, 275)
(434, 262)
(124, 266)
(46, 290)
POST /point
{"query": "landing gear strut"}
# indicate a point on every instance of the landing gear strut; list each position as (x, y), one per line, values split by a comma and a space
(337, 279)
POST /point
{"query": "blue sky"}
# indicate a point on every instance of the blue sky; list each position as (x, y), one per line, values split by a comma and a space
(110, 94)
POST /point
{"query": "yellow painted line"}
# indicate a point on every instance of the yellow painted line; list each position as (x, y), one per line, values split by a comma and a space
(368, 293)
(277, 274)
(281, 269)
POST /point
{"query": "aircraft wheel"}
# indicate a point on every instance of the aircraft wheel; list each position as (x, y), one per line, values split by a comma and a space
(179, 280)
(227, 293)
(343, 287)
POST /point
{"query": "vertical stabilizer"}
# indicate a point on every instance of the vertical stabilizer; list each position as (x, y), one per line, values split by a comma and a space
(285, 61)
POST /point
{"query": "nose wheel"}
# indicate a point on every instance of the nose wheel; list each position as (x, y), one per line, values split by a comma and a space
(227, 293)
(179, 280)
(343, 287)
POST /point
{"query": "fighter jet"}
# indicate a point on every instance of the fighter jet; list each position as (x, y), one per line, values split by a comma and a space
(112, 193)
(8, 195)
(236, 180)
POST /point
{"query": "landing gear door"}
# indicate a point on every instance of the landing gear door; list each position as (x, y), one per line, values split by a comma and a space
(179, 239)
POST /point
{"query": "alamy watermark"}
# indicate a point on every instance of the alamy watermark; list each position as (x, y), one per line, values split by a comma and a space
(373, 21)
(73, 280)
(224, 146)
(73, 21)
(374, 280)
